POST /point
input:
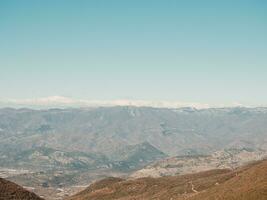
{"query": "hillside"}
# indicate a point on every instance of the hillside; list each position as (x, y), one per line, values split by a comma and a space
(249, 183)
(58, 149)
(103, 130)
(224, 159)
(246, 183)
(12, 191)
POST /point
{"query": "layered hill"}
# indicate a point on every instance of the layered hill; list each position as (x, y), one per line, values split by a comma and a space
(224, 159)
(246, 183)
(119, 136)
(12, 191)
(58, 149)
(103, 130)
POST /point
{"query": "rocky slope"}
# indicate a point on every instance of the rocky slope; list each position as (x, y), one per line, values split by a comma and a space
(12, 191)
(245, 183)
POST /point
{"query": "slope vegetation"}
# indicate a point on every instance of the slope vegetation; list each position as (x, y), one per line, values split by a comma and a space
(245, 183)
(249, 183)
(12, 191)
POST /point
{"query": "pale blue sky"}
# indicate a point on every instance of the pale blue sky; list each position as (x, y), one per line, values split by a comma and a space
(192, 51)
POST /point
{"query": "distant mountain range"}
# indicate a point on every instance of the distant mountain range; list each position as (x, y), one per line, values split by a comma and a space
(61, 148)
(106, 130)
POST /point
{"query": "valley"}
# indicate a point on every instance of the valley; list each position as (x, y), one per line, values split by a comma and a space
(59, 152)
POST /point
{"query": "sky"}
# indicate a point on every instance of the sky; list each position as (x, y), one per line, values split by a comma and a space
(208, 52)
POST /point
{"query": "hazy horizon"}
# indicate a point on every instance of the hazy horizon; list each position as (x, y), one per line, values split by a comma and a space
(65, 102)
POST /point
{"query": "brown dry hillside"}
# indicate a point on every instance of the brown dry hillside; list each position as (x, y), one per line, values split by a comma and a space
(246, 183)
(249, 183)
(12, 191)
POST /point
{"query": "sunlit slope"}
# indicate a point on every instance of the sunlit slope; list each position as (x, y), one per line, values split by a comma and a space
(246, 183)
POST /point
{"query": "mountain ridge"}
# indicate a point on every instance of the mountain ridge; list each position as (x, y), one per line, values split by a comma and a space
(245, 183)
(62, 148)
